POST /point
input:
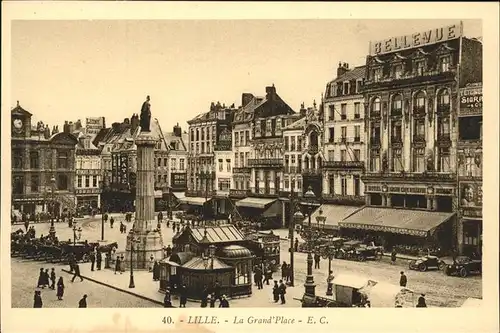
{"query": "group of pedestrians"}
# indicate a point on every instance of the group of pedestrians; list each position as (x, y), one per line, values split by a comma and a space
(286, 272)
(46, 279)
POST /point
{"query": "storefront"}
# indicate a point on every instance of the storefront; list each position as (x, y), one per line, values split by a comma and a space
(266, 212)
(408, 231)
(333, 215)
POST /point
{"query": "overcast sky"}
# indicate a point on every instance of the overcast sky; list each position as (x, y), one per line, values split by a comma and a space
(69, 70)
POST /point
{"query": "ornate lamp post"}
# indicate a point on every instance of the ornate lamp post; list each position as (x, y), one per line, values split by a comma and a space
(103, 211)
(132, 243)
(311, 237)
(169, 202)
(74, 234)
(52, 230)
(291, 229)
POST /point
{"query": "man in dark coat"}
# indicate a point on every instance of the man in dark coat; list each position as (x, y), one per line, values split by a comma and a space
(99, 260)
(37, 299)
(83, 302)
(118, 263)
(167, 301)
(284, 267)
(183, 296)
(156, 271)
(276, 293)
(421, 301)
(224, 303)
(217, 290)
(296, 245)
(76, 268)
(393, 256)
(403, 280)
(282, 291)
(40, 279)
(111, 221)
(46, 278)
(258, 277)
(317, 258)
(53, 279)
(92, 260)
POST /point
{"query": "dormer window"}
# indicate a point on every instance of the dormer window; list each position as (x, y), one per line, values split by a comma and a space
(346, 88)
(358, 86)
(398, 71)
(444, 64)
(377, 74)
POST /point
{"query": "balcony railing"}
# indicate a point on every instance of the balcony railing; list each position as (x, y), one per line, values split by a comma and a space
(443, 140)
(313, 150)
(286, 194)
(419, 110)
(375, 141)
(396, 139)
(409, 78)
(357, 139)
(419, 138)
(200, 194)
(410, 176)
(239, 193)
(443, 108)
(241, 170)
(223, 146)
(374, 114)
(265, 192)
(292, 169)
(266, 162)
(344, 164)
(206, 174)
(351, 200)
(396, 112)
(311, 172)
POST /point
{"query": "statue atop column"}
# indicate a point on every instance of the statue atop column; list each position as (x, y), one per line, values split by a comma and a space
(145, 115)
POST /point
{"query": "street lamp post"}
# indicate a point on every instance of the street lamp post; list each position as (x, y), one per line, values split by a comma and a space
(102, 210)
(326, 253)
(132, 242)
(169, 203)
(74, 234)
(310, 235)
(52, 230)
(295, 214)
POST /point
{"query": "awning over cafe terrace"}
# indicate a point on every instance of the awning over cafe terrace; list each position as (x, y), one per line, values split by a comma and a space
(179, 195)
(333, 213)
(399, 221)
(254, 202)
(195, 201)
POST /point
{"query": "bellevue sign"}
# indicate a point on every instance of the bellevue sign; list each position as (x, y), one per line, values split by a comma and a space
(418, 39)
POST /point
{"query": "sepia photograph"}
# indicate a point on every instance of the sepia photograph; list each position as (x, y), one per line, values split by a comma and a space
(278, 164)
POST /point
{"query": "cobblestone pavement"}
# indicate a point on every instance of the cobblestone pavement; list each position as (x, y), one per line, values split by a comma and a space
(440, 290)
(24, 280)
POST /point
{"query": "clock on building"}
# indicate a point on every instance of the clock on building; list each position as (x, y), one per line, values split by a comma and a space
(18, 124)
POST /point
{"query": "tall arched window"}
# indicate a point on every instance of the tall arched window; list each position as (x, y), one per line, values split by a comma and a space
(375, 109)
(443, 100)
(419, 102)
(397, 105)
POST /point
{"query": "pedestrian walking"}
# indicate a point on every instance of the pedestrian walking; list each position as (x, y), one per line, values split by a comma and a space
(167, 300)
(60, 288)
(105, 217)
(276, 292)
(403, 280)
(98, 259)
(83, 302)
(296, 245)
(282, 292)
(268, 274)
(283, 270)
(40, 279)
(183, 296)
(26, 225)
(258, 277)
(111, 222)
(46, 278)
(211, 300)
(92, 260)
(288, 272)
(217, 290)
(53, 278)
(79, 233)
(118, 265)
(317, 258)
(393, 256)
(156, 271)
(37, 299)
(121, 227)
(421, 302)
(151, 263)
(77, 273)
(224, 303)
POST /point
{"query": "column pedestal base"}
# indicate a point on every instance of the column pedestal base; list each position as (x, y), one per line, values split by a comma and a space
(149, 243)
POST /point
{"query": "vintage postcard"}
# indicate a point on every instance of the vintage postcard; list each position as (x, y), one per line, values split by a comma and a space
(261, 157)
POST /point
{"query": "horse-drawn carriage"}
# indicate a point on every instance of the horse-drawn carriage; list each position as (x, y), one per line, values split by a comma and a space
(356, 250)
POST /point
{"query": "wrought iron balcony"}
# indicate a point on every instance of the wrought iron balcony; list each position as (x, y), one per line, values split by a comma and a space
(239, 193)
(419, 138)
(223, 146)
(396, 112)
(242, 170)
(410, 176)
(344, 164)
(311, 172)
(443, 140)
(264, 192)
(410, 78)
(375, 114)
(286, 194)
(266, 162)
(207, 174)
(443, 108)
(419, 110)
(313, 150)
(357, 139)
(375, 141)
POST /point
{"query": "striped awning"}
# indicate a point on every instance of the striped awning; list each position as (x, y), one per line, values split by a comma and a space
(399, 221)
(254, 202)
(333, 215)
(195, 201)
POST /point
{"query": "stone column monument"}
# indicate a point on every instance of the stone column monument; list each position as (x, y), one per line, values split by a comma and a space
(144, 239)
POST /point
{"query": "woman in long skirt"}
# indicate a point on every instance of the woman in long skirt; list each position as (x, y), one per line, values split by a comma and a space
(60, 288)
(37, 299)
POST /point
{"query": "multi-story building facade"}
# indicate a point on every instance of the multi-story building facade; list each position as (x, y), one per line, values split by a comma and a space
(88, 183)
(266, 118)
(177, 145)
(204, 132)
(223, 171)
(43, 167)
(470, 164)
(344, 146)
(411, 93)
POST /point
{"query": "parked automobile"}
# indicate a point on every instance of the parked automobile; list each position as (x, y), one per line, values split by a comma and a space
(356, 250)
(464, 266)
(424, 263)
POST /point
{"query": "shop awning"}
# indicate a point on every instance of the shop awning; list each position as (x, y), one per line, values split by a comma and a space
(275, 209)
(333, 213)
(179, 195)
(195, 201)
(254, 202)
(398, 221)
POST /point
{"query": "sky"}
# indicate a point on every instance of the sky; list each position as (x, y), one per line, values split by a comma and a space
(69, 70)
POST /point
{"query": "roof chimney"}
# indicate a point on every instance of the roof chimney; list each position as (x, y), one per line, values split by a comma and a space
(270, 92)
(177, 130)
(342, 69)
(246, 98)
